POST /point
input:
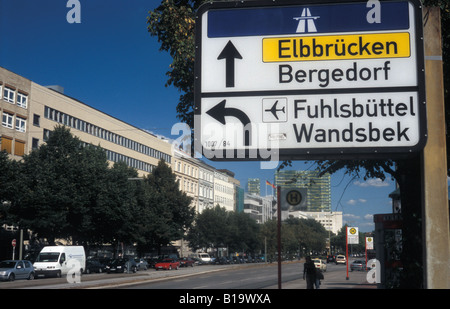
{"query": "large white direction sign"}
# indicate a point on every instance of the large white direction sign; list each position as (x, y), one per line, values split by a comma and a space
(310, 80)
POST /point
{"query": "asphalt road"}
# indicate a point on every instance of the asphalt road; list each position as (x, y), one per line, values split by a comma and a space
(244, 276)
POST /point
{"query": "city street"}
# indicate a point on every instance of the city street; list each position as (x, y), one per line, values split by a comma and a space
(240, 276)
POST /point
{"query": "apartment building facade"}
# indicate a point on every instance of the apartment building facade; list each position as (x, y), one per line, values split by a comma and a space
(186, 170)
(30, 111)
(224, 193)
(259, 207)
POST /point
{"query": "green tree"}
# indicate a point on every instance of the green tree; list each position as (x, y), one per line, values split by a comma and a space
(8, 188)
(171, 213)
(114, 214)
(59, 182)
(242, 233)
(210, 229)
(173, 23)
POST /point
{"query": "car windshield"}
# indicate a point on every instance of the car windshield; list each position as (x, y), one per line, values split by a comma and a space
(117, 262)
(48, 257)
(7, 264)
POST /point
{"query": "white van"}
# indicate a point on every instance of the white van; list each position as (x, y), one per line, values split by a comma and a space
(203, 258)
(55, 260)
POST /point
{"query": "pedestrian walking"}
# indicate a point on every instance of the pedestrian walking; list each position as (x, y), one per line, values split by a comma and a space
(319, 276)
(309, 273)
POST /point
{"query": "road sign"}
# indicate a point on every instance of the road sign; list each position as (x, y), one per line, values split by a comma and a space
(293, 199)
(13, 242)
(310, 80)
(352, 235)
(369, 243)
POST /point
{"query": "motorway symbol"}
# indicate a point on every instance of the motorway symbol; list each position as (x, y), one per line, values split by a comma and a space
(229, 53)
(219, 112)
(306, 19)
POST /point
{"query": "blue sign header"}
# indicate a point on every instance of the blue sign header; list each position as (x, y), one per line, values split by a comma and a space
(328, 18)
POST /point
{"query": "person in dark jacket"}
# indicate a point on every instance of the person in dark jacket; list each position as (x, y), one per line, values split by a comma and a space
(309, 273)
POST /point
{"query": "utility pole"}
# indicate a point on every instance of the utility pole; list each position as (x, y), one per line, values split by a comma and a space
(435, 210)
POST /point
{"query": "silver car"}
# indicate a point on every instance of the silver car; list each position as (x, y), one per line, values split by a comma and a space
(16, 269)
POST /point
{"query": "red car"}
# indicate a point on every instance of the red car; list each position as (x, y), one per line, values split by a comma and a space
(185, 262)
(167, 264)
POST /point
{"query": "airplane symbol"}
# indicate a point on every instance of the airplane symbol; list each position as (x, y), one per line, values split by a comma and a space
(274, 110)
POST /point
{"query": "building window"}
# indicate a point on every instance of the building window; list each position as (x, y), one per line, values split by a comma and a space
(46, 135)
(20, 124)
(7, 120)
(35, 143)
(9, 95)
(22, 100)
(36, 120)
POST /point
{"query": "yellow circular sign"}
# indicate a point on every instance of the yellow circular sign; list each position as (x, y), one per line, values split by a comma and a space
(294, 197)
(352, 231)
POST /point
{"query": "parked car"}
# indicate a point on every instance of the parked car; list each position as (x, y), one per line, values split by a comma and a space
(142, 264)
(320, 264)
(16, 269)
(94, 266)
(331, 259)
(358, 265)
(223, 260)
(122, 265)
(59, 260)
(167, 264)
(152, 262)
(340, 259)
(185, 262)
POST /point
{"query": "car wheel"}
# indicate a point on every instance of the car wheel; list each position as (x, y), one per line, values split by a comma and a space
(31, 276)
(58, 274)
(11, 277)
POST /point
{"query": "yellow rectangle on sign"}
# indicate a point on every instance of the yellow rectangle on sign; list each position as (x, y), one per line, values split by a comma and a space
(336, 47)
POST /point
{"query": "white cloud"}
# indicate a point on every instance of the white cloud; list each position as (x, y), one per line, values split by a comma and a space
(368, 217)
(354, 202)
(351, 216)
(373, 182)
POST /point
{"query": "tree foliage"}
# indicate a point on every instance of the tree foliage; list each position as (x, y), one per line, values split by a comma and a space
(67, 191)
(173, 23)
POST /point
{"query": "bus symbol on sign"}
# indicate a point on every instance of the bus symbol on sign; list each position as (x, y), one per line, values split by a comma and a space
(294, 198)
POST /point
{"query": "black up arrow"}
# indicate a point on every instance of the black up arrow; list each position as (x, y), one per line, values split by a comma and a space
(219, 112)
(229, 53)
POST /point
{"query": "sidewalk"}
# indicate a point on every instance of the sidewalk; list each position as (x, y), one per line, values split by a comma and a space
(357, 280)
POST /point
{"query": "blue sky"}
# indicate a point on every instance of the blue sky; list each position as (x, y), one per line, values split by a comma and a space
(110, 62)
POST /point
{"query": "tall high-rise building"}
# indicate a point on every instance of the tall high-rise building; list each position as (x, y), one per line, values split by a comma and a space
(254, 186)
(319, 188)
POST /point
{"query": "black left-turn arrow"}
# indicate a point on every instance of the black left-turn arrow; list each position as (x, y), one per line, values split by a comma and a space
(229, 53)
(219, 112)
